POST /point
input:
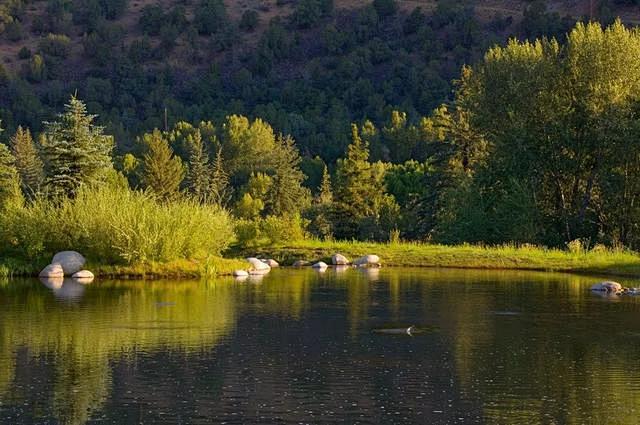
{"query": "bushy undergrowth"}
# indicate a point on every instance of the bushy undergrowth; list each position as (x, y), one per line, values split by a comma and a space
(114, 225)
(270, 230)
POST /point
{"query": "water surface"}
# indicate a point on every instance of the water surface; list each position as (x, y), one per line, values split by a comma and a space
(298, 347)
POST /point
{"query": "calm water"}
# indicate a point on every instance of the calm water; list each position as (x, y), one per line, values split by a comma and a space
(299, 347)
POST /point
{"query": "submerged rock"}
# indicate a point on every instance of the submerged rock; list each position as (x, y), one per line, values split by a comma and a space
(368, 260)
(240, 273)
(71, 261)
(52, 271)
(608, 286)
(339, 260)
(300, 263)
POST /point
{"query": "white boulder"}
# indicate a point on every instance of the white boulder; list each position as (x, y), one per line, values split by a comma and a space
(240, 273)
(320, 265)
(83, 274)
(258, 265)
(339, 260)
(52, 270)
(608, 286)
(271, 263)
(71, 261)
(368, 260)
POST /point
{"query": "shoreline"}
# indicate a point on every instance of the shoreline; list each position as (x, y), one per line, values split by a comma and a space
(604, 262)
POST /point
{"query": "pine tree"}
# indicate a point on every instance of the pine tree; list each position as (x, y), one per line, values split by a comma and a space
(162, 171)
(28, 162)
(219, 185)
(198, 176)
(325, 197)
(75, 151)
(287, 196)
(9, 179)
(355, 185)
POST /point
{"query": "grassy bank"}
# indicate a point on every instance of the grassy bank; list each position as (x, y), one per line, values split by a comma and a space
(599, 261)
(212, 266)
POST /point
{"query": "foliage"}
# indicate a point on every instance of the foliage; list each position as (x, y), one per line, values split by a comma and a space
(9, 179)
(113, 224)
(558, 120)
(75, 151)
(28, 162)
(162, 172)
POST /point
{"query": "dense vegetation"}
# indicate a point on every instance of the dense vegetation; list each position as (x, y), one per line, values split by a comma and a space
(536, 144)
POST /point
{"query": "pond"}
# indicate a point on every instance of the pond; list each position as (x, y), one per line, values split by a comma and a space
(299, 346)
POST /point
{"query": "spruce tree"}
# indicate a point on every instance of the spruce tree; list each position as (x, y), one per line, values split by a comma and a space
(287, 196)
(75, 151)
(355, 186)
(319, 215)
(198, 176)
(28, 162)
(162, 171)
(325, 197)
(219, 185)
(9, 179)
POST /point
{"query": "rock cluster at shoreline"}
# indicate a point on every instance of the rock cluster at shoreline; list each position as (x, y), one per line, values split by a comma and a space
(260, 267)
(69, 264)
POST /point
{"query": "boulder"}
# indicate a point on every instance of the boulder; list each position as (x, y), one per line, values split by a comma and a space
(339, 260)
(71, 261)
(271, 263)
(258, 265)
(83, 276)
(608, 286)
(320, 265)
(368, 260)
(300, 263)
(52, 270)
(240, 273)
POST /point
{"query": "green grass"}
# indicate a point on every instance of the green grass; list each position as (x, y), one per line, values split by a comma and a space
(599, 261)
(211, 266)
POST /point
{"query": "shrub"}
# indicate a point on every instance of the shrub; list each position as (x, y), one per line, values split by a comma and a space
(271, 230)
(113, 224)
(249, 20)
(24, 53)
(55, 45)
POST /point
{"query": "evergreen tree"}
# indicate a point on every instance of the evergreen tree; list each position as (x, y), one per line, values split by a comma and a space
(219, 184)
(198, 176)
(75, 151)
(353, 177)
(325, 197)
(319, 215)
(287, 196)
(28, 162)
(162, 171)
(9, 179)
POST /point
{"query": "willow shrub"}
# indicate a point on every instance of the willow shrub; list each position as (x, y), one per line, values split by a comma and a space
(113, 225)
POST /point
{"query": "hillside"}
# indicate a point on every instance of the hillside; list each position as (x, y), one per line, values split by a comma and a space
(310, 67)
(485, 10)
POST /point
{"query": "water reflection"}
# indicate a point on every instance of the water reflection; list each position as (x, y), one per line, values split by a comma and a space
(503, 347)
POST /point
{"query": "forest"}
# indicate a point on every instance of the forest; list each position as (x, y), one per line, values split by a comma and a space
(415, 126)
